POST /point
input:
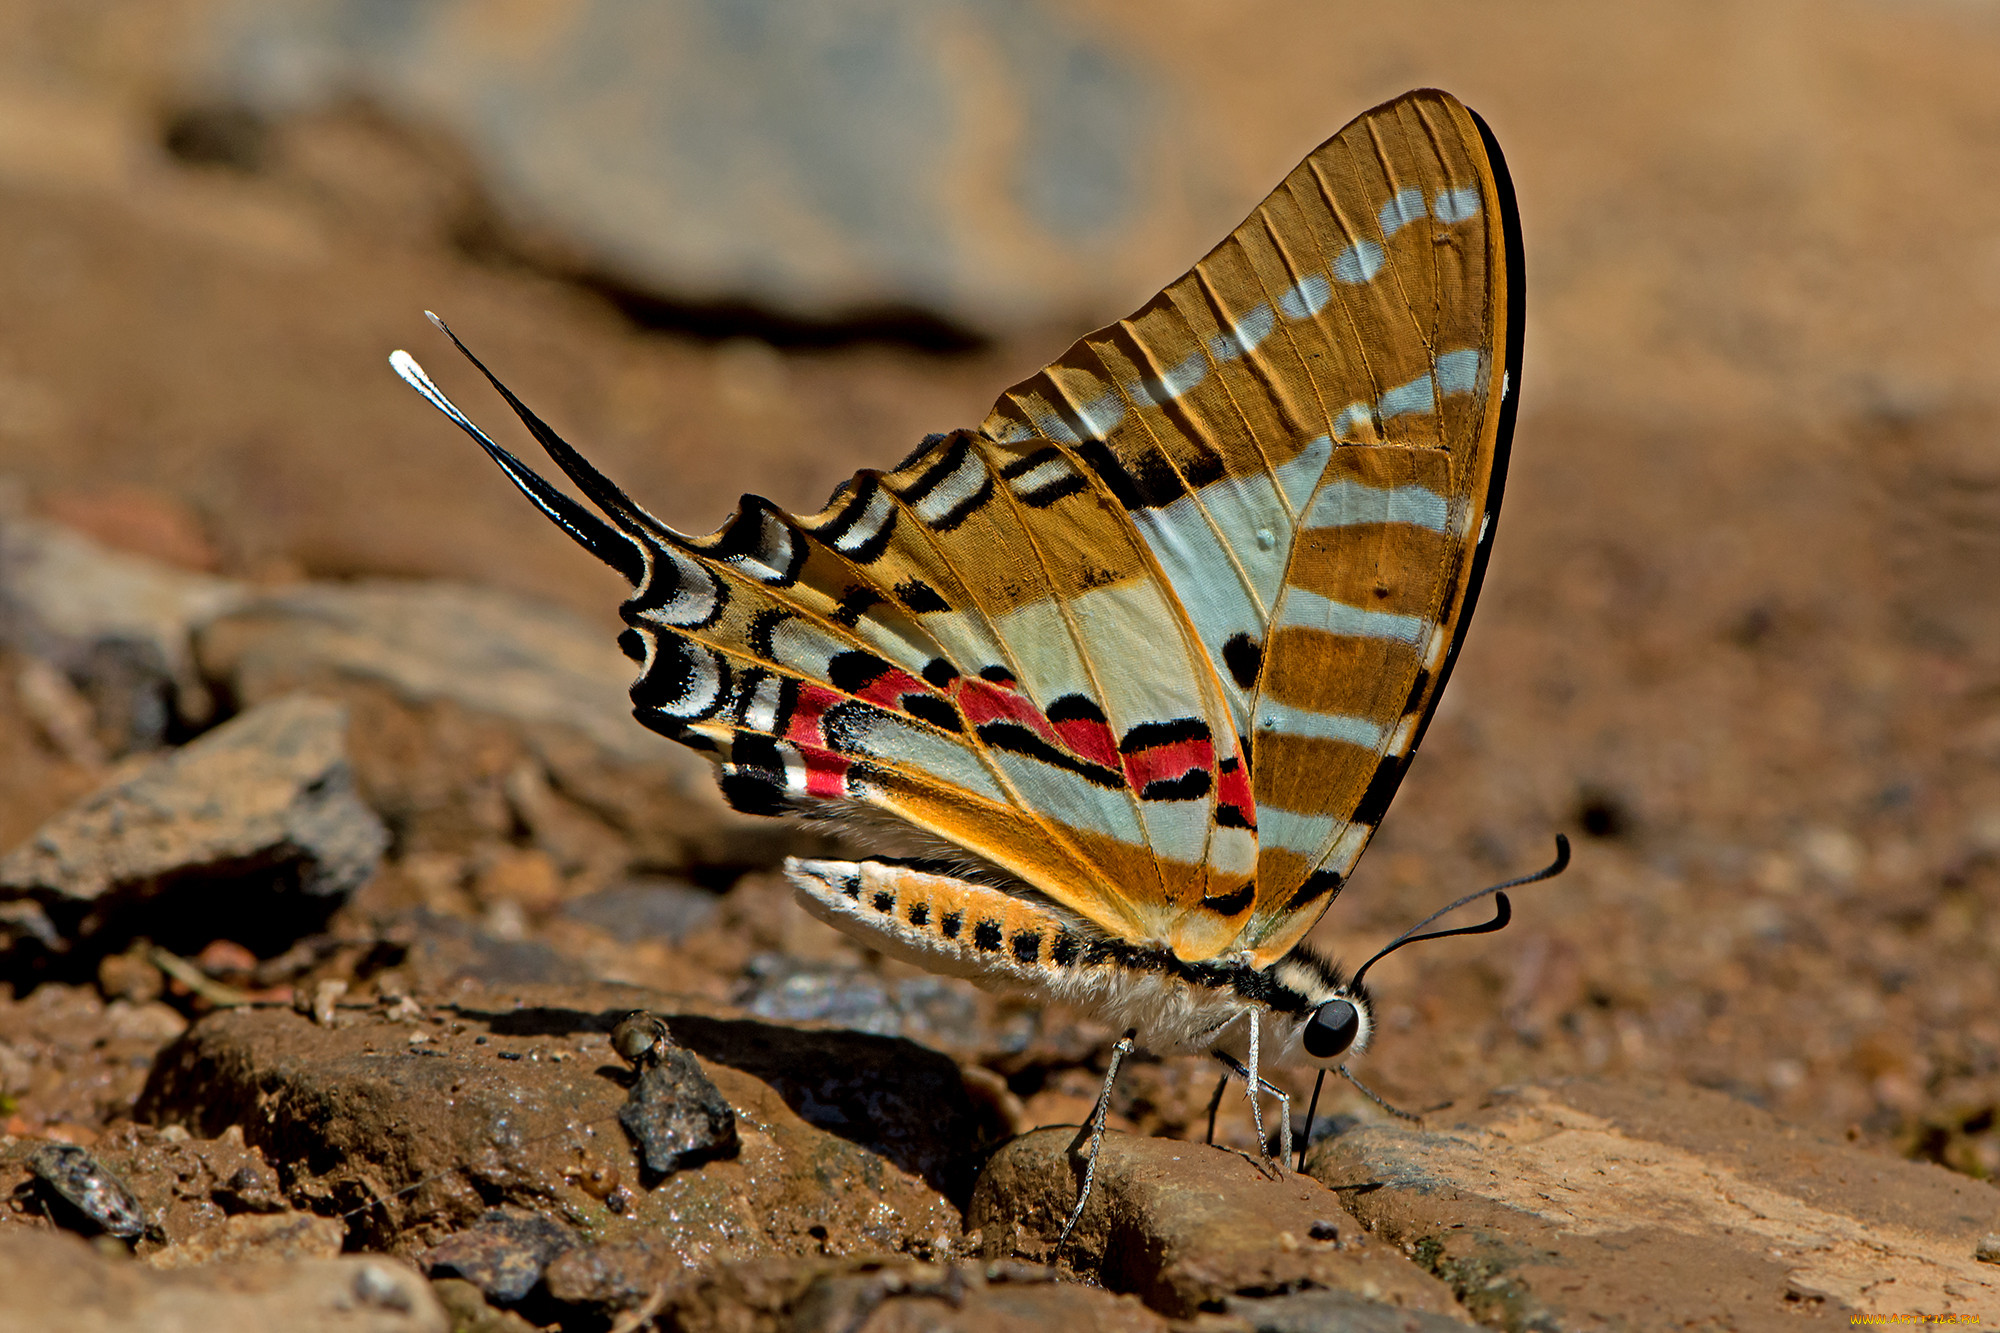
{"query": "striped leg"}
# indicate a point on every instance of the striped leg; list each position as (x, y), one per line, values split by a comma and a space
(1119, 1051)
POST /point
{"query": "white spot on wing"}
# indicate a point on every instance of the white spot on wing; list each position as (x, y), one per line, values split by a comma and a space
(1244, 336)
(1174, 382)
(1349, 503)
(1297, 478)
(1456, 205)
(1306, 297)
(963, 483)
(1458, 372)
(1416, 397)
(1359, 262)
(1405, 208)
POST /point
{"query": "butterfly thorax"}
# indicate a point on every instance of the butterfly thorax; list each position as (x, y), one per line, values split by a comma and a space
(1011, 941)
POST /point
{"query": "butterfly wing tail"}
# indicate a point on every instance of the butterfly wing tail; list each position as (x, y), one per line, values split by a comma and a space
(617, 546)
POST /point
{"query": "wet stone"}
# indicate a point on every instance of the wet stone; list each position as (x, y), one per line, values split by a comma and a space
(503, 1255)
(254, 818)
(1187, 1227)
(1657, 1206)
(84, 1194)
(676, 1116)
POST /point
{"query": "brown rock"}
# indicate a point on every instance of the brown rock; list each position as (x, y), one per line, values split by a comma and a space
(250, 1236)
(1657, 1207)
(866, 1296)
(260, 809)
(1184, 1226)
(511, 1099)
(55, 1282)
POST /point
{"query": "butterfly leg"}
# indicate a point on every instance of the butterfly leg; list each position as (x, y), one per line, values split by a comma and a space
(1253, 1084)
(1215, 1102)
(1121, 1049)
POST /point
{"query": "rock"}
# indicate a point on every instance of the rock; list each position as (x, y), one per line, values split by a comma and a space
(819, 1295)
(1185, 1227)
(503, 1255)
(923, 1008)
(58, 1282)
(557, 686)
(253, 819)
(837, 163)
(1664, 1206)
(647, 907)
(1316, 1311)
(255, 1236)
(511, 1100)
(184, 1200)
(674, 1113)
(118, 624)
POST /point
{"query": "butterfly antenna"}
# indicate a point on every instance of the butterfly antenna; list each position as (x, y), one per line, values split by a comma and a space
(1504, 912)
(1377, 1098)
(589, 531)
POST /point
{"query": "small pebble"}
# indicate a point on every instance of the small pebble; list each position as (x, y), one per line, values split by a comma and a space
(1988, 1249)
(84, 1183)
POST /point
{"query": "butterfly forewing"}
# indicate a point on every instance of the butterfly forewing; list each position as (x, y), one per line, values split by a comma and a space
(1308, 431)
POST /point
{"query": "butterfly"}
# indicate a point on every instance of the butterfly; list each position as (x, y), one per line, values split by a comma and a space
(1123, 681)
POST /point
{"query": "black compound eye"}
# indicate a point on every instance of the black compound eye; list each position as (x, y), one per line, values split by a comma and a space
(1331, 1030)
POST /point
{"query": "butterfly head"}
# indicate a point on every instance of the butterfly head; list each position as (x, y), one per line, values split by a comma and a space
(1334, 1017)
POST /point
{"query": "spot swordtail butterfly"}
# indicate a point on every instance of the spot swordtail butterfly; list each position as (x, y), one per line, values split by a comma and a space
(1135, 667)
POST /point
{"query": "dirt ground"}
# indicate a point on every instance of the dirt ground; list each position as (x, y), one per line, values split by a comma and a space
(1741, 634)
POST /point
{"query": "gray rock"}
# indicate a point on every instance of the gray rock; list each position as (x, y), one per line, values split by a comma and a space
(1664, 1207)
(490, 651)
(263, 805)
(504, 1255)
(817, 161)
(56, 1282)
(647, 907)
(676, 1115)
(120, 625)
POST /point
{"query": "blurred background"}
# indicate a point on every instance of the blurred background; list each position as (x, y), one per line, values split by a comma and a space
(1741, 637)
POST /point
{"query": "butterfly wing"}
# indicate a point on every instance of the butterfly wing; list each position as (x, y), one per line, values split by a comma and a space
(1041, 643)
(1309, 431)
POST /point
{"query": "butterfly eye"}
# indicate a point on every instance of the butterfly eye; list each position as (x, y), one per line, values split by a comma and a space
(1331, 1030)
